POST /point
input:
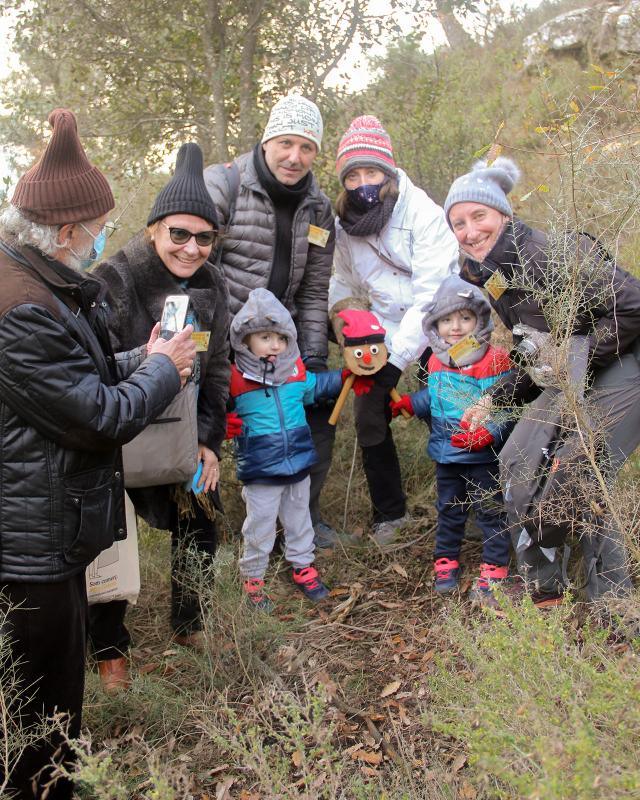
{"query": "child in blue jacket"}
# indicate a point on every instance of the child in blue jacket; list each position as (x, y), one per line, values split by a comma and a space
(462, 366)
(269, 390)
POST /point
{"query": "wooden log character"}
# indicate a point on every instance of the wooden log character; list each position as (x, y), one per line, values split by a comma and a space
(363, 349)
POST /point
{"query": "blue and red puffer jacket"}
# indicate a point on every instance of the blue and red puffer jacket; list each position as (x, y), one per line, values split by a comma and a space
(276, 441)
(451, 390)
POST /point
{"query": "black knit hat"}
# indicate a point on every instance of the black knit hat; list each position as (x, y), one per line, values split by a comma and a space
(186, 192)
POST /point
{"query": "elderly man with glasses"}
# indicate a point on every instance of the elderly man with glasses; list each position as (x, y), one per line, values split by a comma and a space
(67, 405)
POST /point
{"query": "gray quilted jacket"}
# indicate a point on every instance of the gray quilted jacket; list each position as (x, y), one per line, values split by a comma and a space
(248, 246)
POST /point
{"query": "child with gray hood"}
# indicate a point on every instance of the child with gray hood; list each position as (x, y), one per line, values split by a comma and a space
(462, 366)
(269, 390)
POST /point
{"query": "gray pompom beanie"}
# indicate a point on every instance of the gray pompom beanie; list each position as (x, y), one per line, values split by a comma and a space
(454, 294)
(488, 185)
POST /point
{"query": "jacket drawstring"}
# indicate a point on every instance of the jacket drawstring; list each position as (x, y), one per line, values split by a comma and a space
(269, 366)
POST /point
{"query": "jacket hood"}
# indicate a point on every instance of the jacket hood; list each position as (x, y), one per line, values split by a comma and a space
(456, 294)
(264, 312)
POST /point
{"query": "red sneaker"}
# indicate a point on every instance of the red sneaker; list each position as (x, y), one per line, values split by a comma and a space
(308, 581)
(256, 595)
(446, 573)
(490, 575)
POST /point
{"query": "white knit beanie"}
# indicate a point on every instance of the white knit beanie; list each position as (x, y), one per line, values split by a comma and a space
(297, 116)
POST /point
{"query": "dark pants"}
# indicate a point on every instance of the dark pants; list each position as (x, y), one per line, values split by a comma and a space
(323, 436)
(48, 643)
(461, 487)
(109, 635)
(615, 397)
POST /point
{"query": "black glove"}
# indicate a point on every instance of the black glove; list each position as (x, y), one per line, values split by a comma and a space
(315, 363)
(388, 376)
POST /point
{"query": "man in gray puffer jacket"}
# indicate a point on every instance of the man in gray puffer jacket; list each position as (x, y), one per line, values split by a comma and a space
(280, 235)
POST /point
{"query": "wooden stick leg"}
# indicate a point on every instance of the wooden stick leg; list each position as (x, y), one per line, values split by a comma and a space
(395, 396)
(342, 398)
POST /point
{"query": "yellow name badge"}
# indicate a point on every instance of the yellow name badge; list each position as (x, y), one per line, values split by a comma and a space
(201, 339)
(496, 285)
(463, 348)
(319, 236)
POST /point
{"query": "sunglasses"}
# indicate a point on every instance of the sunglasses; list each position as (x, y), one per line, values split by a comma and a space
(182, 236)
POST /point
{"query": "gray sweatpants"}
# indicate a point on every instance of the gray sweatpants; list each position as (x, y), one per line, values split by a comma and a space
(265, 503)
(615, 392)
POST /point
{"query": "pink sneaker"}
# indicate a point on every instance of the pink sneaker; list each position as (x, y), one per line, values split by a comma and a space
(308, 581)
(256, 595)
(446, 573)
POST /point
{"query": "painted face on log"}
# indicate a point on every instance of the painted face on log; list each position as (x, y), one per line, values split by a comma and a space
(365, 359)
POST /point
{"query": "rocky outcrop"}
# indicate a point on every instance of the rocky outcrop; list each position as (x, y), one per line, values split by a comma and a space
(590, 34)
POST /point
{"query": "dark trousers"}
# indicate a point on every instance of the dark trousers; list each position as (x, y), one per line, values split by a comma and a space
(109, 635)
(379, 455)
(461, 487)
(323, 436)
(47, 624)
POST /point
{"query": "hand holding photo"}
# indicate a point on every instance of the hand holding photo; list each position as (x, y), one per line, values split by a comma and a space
(174, 315)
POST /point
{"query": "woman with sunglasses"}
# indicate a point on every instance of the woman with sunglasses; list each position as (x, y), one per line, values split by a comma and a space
(172, 256)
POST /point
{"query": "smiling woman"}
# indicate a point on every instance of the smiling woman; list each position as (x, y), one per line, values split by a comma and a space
(555, 289)
(172, 257)
(183, 243)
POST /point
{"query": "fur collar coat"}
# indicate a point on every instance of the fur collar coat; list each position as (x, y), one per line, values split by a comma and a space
(138, 284)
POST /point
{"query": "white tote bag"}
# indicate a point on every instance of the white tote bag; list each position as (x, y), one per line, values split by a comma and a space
(115, 573)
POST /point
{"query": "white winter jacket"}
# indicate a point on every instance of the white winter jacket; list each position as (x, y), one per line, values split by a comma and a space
(398, 270)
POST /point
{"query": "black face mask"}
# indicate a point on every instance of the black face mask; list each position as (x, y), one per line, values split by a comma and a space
(365, 196)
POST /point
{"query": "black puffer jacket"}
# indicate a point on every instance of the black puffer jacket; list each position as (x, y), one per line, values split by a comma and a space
(609, 311)
(138, 285)
(63, 418)
(248, 246)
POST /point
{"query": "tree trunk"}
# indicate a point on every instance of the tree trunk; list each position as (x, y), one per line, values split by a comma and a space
(247, 97)
(213, 48)
(455, 33)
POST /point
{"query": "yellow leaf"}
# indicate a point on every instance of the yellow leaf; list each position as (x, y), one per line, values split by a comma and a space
(596, 88)
(368, 756)
(541, 188)
(574, 106)
(542, 129)
(597, 69)
(390, 688)
(482, 151)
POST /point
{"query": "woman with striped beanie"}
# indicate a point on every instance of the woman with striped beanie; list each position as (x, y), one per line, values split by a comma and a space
(393, 250)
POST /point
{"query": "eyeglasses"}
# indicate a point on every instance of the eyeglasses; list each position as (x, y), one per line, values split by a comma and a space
(182, 236)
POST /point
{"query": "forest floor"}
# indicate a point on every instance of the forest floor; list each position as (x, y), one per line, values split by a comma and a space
(360, 695)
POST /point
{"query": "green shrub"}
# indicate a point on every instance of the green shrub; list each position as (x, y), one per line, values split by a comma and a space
(542, 712)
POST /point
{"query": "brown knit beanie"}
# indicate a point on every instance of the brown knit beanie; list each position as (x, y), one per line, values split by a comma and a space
(63, 186)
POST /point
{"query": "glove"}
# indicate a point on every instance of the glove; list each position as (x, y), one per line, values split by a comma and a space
(234, 425)
(388, 376)
(477, 440)
(361, 385)
(315, 364)
(403, 404)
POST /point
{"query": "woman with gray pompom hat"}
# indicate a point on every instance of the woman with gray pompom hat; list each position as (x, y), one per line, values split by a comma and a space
(526, 273)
